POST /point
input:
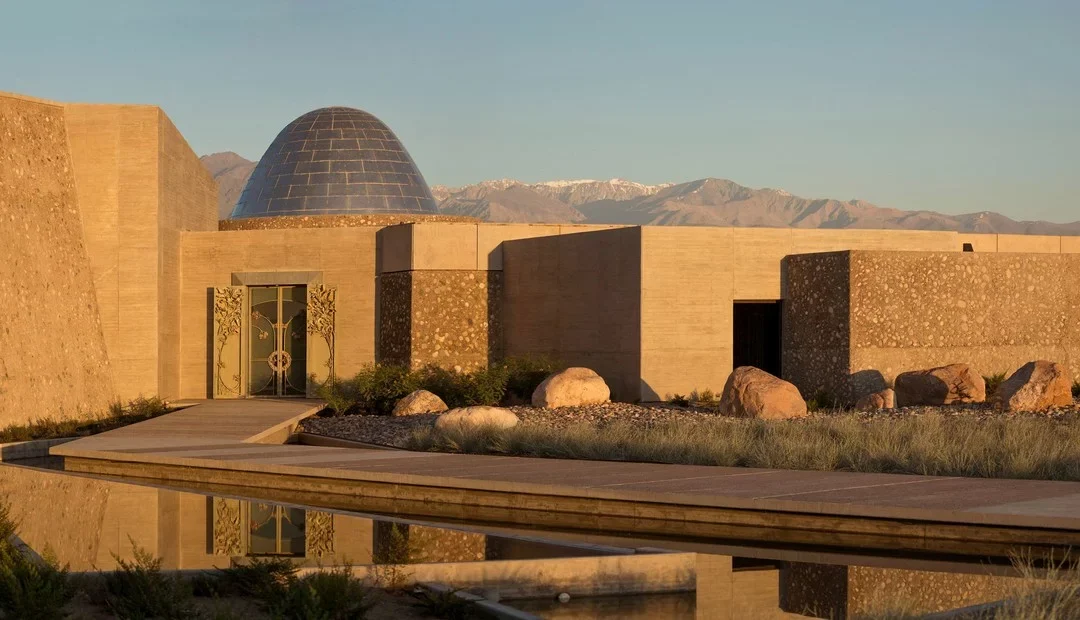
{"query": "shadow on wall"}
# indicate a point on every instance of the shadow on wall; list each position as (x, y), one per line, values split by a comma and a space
(210, 342)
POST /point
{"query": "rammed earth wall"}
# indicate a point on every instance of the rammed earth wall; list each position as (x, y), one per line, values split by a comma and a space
(854, 320)
(52, 353)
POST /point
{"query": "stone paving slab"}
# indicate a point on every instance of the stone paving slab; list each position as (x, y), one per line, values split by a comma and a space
(1014, 503)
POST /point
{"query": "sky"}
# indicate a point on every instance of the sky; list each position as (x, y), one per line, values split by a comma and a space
(955, 106)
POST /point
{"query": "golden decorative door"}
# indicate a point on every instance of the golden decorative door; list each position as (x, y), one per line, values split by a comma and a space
(277, 341)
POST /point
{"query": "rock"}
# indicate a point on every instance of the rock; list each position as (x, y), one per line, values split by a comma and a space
(751, 392)
(476, 417)
(955, 383)
(885, 399)
(1036, 386)
(573, 387)
(420, 401)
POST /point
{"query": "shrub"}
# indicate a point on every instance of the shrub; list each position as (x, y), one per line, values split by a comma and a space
(392, 554)
(324, 595)
(525, 374)
(822, 400)
(706, 396)
(993, 382)
(263, 579)
(444, 604)
(680, 400)
(485, 386)
(139, 590)
(378, 387)
(31, 589)
(375, 389)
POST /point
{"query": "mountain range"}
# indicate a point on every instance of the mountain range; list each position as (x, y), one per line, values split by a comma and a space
(704, 202)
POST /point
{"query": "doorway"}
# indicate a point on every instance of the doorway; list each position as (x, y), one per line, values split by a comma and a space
(757, 335)
(277, 351)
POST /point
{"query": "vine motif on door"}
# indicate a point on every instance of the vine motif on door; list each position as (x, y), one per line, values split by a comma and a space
(228, 314)
(322, 302)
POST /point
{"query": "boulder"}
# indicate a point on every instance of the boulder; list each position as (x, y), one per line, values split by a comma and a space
(752, 392)
(946, 385)
(572, 387)
(420, 401)
(476, 417)
(1036, 386)
(885, 399)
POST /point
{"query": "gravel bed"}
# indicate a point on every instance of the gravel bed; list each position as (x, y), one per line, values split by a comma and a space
(391, 431)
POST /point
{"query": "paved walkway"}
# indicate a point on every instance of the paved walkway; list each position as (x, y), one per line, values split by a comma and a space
(217, 442)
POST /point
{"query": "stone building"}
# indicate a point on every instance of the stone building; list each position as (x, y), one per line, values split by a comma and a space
(119, 280)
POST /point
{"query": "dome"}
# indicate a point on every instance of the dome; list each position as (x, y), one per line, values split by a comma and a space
(335, 161)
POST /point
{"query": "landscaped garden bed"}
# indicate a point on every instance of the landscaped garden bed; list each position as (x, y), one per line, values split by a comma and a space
(118, 415)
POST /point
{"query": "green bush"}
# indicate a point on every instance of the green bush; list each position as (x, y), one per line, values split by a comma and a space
(32, 589)
(325, 595)
(375, 389)
(263, 579)
(822, 400)
(993, 382)
(444, 604)
(139, 590)
(524, 374)
(680, 400)
(378, 387)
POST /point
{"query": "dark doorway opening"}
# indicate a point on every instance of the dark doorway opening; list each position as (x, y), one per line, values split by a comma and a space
(756, 338)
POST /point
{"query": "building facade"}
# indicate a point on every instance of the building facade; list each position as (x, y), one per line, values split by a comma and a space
(122, 281)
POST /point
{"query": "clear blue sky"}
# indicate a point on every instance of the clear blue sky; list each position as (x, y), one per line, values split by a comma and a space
(950, 105)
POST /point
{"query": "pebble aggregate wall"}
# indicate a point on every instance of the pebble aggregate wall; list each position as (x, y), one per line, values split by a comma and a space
(827, 591)
(865, 317)
(333, 221)
(449, 318)
(52, 353)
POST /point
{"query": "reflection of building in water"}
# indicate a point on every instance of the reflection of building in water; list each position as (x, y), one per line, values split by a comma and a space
(828, 591)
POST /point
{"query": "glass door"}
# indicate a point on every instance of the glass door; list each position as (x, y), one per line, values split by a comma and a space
(277, 364)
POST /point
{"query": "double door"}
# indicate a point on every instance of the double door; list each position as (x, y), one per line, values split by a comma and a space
(277, 341)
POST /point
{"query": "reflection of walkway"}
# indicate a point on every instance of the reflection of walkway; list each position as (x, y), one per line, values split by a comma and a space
(216, 443)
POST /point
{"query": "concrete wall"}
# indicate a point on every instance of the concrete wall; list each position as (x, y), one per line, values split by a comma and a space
(53, 359)
(187, 201)
(899, 311)
(140, 186)
(578, 298)
(344, 256)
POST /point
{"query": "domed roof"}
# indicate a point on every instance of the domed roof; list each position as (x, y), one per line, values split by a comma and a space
(335, 161)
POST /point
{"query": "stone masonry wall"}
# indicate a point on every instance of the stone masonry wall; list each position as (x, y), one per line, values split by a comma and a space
(900, 311)
(447, 318)
(52, 352)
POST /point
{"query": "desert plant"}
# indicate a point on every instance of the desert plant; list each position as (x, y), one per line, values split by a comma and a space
(525, 374)
(1025, 447)
(705, 396)
(822, 400)
(993, 382)
(485, 386)
(444, 604)
(324, 595)
(679, 400)
(32, 588)
(140, 590)
(375, 389)
(392, 555)
(115, 416)
(262, 578)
